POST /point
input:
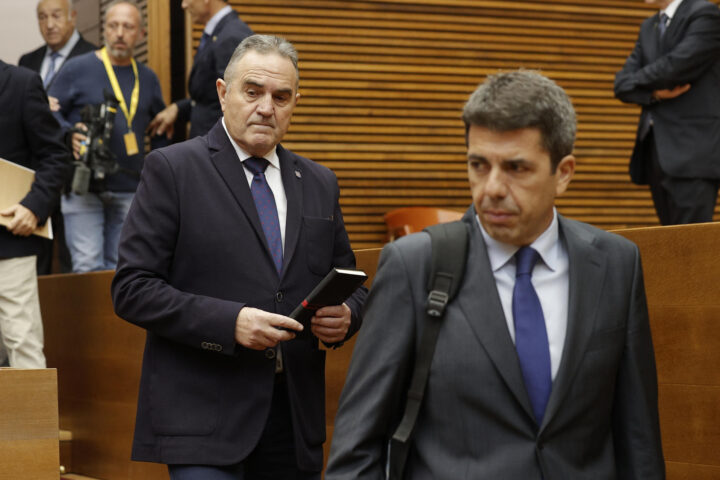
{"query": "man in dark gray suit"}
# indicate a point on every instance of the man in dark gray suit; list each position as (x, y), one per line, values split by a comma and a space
(543, 372)
(673, 73)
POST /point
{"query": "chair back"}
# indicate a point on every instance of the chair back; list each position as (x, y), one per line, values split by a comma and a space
(406, 220)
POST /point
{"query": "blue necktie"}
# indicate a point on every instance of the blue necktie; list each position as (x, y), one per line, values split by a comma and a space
(203, 40)
(266, 208)
(531, 339)
(51, 68)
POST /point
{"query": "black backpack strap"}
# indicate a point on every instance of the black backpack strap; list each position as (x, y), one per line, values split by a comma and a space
(449, 256)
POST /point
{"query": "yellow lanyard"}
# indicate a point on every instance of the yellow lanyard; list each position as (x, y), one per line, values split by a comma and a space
(134, 99)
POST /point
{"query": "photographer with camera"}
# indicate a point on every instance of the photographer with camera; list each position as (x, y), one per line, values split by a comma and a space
(106, 100)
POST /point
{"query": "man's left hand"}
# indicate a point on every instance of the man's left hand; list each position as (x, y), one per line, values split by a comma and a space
(24, 221)
(331, 324)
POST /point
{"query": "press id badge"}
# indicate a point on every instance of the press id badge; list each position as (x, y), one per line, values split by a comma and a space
(131, 146)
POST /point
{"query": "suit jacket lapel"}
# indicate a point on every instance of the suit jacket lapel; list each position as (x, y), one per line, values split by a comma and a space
(291, 173)
(229, 166)
(588, 265)
(479, 300)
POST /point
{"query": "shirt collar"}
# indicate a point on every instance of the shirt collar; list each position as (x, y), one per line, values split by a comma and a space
(271, 156)
(672, 8)
(212, 23)
(547, 245)
(67, 48)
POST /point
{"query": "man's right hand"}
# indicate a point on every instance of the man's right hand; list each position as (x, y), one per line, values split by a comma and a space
(668, 93)
(78, 139)
(258, 329)
(164, 122)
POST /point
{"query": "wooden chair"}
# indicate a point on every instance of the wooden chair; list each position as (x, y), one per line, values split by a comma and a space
(406, 220)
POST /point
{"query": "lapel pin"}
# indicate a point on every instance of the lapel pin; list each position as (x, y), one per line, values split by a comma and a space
(298, 174)
(214, 38)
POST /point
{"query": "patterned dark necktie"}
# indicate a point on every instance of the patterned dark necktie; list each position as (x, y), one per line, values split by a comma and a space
(531, 341)
(266, 208)
(662, 24)
(203, 41)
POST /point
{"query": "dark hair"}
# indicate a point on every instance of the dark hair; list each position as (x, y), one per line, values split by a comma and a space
(525, 99)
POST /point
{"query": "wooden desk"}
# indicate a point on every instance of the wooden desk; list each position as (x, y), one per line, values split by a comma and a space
(29, 441)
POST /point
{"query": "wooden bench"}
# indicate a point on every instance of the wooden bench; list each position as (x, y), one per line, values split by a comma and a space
(98, 357)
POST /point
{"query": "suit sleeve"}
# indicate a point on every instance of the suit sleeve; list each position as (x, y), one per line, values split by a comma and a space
(63, 88)
(374, 392)
(698, 49)
(158, 104)
(344, 257)
(51, 159)
(141, 290)
(636, 429)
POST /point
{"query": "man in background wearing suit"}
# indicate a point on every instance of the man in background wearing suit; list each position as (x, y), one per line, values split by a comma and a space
(56, 19)
(223, 31)
(227, 235)
(544, 365)
(673, 73)
(31, 137)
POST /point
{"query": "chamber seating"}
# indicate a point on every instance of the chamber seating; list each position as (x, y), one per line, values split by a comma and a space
(98, 357)
(406, 220)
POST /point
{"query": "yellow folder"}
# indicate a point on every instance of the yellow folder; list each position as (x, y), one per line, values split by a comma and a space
(15, 183)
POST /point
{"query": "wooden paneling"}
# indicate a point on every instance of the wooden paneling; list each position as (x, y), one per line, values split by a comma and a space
(681, 269)
(29, 444)
(99, 358)
(158, 42)
(383, 84)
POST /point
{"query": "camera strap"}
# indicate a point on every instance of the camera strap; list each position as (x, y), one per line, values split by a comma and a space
(131, 145)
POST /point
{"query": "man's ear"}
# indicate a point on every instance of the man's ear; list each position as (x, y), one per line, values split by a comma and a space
(564, 173)
(221, 91)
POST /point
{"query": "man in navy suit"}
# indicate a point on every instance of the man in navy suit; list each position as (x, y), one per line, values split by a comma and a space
(231, 387)
(673, 73)
(56, 19)
(223, 31)
(31, 137)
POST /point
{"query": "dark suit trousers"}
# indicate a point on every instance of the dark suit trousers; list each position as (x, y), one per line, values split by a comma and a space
(272, 459)
(679, 200)
(45, 257)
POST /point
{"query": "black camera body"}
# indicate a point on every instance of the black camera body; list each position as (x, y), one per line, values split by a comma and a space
(96, 160)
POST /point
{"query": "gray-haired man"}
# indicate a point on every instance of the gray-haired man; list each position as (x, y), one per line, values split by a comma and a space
(227, 234)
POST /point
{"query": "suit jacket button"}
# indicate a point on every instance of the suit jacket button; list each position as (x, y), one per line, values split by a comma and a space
(279, 297)
(270, 353)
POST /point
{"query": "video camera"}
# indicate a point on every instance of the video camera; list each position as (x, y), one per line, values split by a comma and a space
(96, 160)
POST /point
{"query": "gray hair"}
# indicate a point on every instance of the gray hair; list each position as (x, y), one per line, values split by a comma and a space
(263, 44)
(70, 4)
(525, 99)
(131, 3)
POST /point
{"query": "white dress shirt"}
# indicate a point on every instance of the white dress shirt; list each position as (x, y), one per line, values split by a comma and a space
(273, 177)
(550, 278)
(64, 53)
(671, 9)
(212, 23)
